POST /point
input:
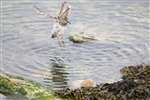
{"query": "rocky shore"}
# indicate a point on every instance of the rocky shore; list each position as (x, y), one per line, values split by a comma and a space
(135, 85)
(15, 85)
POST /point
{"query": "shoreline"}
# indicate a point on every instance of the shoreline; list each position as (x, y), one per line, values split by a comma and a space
(134, 85)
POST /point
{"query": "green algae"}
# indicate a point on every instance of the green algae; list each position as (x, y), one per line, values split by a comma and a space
(33, 91)
(80, 38)
(8, 88)
(135, 85)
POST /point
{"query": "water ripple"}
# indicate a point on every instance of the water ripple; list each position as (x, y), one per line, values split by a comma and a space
(27, 50)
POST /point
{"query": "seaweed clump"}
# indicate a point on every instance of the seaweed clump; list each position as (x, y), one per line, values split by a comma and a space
(135, 85)
(139, 74)
(14, 85)
(7, 87)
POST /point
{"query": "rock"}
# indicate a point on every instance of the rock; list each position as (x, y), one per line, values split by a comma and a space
(83, 83)
(88, 83)
(139, 74)
(135, 85)
(7, 87)
(33, 91)
(80, 38)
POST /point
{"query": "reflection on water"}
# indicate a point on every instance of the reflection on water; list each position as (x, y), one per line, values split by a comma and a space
(15, 97)
(120, 25)
(59, 75)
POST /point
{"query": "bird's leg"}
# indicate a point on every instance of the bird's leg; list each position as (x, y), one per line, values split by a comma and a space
(60, 40)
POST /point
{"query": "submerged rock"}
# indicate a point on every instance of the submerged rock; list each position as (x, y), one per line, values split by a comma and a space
(135, 85)
(80, 38)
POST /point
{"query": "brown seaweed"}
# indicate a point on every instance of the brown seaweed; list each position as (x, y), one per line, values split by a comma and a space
(135, 85)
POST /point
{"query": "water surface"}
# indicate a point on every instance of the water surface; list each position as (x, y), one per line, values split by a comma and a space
(27, 49)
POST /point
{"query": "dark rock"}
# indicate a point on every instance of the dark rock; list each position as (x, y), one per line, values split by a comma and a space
(135, 85)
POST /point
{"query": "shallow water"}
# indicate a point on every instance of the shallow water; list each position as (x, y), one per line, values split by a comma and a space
(27, 49)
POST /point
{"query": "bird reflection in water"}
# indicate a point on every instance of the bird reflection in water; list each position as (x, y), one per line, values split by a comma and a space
(59, 74)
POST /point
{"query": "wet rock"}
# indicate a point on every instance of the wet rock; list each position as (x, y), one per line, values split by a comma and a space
(83, 83)
(139, 74)
(33, 91)
(134, 85)
(80, 38)
(7, 87)
(88, 83)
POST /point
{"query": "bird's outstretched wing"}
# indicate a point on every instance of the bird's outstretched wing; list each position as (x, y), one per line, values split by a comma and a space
(39, 11)
(62, 8)
(65, 10)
